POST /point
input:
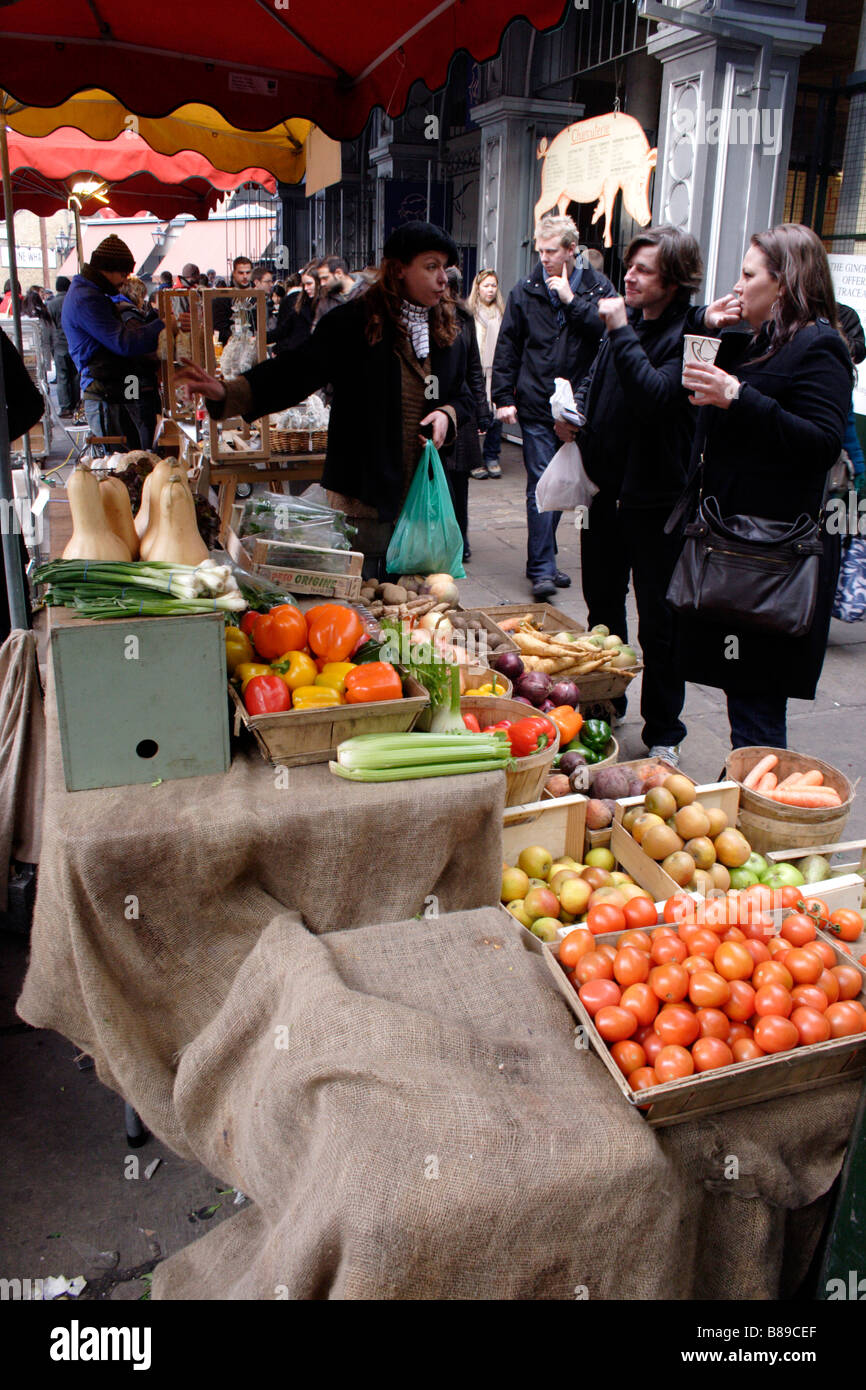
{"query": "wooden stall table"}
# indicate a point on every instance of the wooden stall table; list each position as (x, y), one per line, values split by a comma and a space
(293, 980)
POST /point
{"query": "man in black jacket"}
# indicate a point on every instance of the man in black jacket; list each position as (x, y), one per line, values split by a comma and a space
(635, 447)
(68, 386)
(550, 328)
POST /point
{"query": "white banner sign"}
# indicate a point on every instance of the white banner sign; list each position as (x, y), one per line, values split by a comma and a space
(27, 256)
(849, 280)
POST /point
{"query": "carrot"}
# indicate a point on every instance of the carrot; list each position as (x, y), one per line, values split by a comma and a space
(812, 778)
(768, 782)
(793, 780)
(806, 796)
(765, 765)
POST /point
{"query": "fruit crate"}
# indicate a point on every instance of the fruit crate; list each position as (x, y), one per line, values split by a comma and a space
(562, 819)
(295, 738)
(344, 585)
(600, 839)
(596, 687)
(854, 868)
(729, 1088)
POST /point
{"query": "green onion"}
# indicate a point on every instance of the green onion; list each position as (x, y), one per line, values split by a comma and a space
(99, 589)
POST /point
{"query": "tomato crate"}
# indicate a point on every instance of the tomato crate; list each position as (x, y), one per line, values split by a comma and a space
(728, 1088)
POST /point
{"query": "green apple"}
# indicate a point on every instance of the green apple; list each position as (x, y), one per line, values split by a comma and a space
(743, 877)
(601, 859)
(545, 928)
(757, 864)
(782, 876)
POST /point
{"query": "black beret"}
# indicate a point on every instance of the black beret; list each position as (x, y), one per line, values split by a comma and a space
(414, 238)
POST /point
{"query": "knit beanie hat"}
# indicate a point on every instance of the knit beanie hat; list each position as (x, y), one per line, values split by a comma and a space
(414, 238)
(113, 254)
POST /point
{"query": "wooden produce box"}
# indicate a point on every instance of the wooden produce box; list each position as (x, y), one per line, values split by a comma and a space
(742, 1083)
(139, 699)
(853, 871)
(595, 686)
(600, 839)
(298, 737)
(346, 585)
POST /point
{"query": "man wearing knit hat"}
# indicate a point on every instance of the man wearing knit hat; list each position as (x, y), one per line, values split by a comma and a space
(103, 346)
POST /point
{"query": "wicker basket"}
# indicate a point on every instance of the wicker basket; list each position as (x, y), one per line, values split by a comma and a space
(475, 676)
(525, 782)
(299, 441)
(769, 826)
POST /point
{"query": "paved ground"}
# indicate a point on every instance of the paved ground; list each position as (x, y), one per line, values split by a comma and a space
(70, 1199)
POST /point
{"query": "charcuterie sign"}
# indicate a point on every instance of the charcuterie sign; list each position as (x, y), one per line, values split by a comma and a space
(593, 160)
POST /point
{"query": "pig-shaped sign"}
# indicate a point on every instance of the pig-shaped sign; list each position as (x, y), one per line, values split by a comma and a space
(594, 159)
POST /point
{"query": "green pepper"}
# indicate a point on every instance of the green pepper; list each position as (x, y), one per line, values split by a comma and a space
(590, 755)
(596, 734)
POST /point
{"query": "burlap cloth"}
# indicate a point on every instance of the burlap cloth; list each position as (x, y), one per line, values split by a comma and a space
(403, 1102)
(22, 754)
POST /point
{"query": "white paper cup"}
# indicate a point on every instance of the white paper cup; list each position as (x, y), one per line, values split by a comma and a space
(699, 351)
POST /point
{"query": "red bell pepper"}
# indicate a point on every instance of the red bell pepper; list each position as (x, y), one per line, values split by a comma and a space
(530, 736)
(471, 723)
(267, 695)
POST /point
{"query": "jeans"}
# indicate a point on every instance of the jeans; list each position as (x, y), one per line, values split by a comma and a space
(758, 721)
(615, 543)
(492, 443)
(539, 446)
(107, 419)
(68, 392)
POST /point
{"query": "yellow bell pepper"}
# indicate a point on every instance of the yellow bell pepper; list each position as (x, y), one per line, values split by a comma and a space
(239, 648)
(247, 669)
(315, 697)
(333, 674)
(295, 668)
(488, 689)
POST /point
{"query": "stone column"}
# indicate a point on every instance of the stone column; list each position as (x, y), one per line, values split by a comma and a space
(510, 179)
(722, 161)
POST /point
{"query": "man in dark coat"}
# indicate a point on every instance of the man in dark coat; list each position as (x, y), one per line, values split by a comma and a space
(68, 385)
(550, 329)
(223, 309)
(635, 447)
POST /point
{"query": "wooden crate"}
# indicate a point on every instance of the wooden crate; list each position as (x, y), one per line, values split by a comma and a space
(853, 868)
(742, 1083)
(595, 686)
(298, 737)
(300, 581)
(561, 820)
(600, 839)
(139, 699)
(645, 871)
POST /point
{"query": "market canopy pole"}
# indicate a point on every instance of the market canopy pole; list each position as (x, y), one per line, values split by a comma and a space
(6, 460)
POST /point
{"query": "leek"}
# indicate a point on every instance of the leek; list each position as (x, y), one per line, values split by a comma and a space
(401, 757)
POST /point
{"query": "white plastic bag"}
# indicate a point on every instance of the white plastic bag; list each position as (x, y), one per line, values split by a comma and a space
(564, 482)
(562, 405)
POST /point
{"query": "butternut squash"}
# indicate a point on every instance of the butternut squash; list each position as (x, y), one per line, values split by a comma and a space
(147, 520)
(177, 538)
(92, 538)
(118, 512)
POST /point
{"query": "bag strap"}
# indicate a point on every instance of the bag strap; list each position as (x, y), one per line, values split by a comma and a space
(692, 494)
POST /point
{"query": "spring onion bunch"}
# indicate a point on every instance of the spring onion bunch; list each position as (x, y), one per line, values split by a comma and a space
(100, 589)
(402, 757)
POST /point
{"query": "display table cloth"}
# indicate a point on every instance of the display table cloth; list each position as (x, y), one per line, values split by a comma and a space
(403, 1102)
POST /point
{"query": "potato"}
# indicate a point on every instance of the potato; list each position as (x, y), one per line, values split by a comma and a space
(598, 814)
(393, 594)
(558, 784)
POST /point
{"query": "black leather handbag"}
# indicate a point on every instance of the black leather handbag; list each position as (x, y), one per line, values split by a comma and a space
(758, 573)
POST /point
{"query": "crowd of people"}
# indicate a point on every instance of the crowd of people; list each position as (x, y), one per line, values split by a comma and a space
(403, 357)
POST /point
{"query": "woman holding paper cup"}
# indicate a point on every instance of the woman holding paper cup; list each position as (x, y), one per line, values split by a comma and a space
(774, 405)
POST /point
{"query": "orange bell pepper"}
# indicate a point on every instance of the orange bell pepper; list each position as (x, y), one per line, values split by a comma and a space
(284, 629)
(334, 631)
(568, 721)
(374, 680)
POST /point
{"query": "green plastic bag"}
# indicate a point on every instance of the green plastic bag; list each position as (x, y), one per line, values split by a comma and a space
(427, 538)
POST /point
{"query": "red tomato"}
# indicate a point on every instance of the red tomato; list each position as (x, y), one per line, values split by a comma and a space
(741, 1004)
(810, 997)
(703, 942)
(778, 946)
(758, 928)
(615, 1023)
(598, 994)
(607, 950)
(787, 898)
(640, 912)
(679, 908)
(669, 982)
(663, 931)
(829, 986)
(707, 990)
(676, 1023)
(845, 1020)
(733, 934)
(673, 1062)
(736, 1032)
(811, 1024)
(816, 907)
(746, 1050)
(757, 950)
(772, 972)
(593, 966)
(667, 948)
(709, 1053)
(578, 943)
(630, 966)
(717, 912)
(713, 1023)
(694, 963)
(643, 1003)
(846, 924)
(824, 950)
(605, 917)
(638, 939)
(643, 1079)
(850, 980)
(798, 929)
(733, 960)
(629, 1056)
(760, 896)
(773, 999)
(805, 966)
(652, 1046)
(775, 1034)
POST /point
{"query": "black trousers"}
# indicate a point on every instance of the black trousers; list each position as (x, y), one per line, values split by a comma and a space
(458, 486)
(618, 542)
(68, 386)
